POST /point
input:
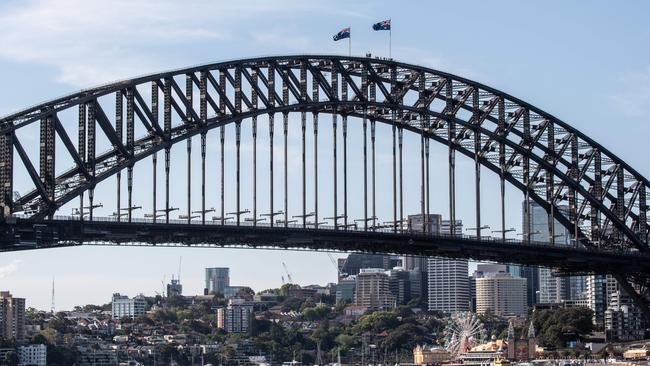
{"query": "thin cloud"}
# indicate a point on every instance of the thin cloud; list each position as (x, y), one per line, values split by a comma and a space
(91, 42)
(633, 94)
(10, 268)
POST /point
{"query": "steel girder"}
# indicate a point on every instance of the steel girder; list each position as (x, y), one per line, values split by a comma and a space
(604, 200)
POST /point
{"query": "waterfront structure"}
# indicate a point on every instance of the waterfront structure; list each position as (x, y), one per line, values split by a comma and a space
(12, 316)
(372, 289)
(501, 294)
(447, 280)
(216, 280)
(123, 306)
(236, 317)
(424, 355)
(33, 355)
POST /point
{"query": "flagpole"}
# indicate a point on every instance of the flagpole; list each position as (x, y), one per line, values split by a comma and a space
(390, 41)
(350, 43)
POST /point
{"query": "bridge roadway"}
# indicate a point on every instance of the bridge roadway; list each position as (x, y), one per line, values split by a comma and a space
(63, 231)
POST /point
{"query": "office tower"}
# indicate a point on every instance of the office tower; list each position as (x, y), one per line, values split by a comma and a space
(448, 281)
(236, 317)
(399, 285)
(356, 261)
(12, 316)
(345, 288)
(217, 279)
(123, 306)
(501, 294)
(372, 289)
(551, 289)
(416, 223)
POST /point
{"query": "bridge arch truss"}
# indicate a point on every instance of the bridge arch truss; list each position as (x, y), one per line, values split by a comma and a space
(604, 200)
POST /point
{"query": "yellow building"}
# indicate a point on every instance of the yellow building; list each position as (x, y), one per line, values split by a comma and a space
(423, 355)
(635, 353)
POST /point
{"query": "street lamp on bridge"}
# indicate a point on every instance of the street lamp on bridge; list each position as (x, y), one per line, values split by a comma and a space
(335, 219)
(271, 215)
(238, 214)
(222, 219)
(283, 222)
(478, 230)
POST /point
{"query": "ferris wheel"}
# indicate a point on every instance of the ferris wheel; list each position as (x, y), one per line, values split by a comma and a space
(464, 330)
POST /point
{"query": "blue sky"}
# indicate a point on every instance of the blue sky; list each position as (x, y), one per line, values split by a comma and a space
(587, 63)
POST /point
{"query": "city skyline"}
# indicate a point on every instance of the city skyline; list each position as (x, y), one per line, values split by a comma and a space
(29, 274)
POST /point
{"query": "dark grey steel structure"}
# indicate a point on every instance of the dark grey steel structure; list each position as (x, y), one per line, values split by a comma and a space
(551, 163)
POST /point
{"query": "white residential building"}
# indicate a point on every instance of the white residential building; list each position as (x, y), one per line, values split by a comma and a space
(501, 294)
(236, 317)
(32, 355)
(448, 280)
(123, 306)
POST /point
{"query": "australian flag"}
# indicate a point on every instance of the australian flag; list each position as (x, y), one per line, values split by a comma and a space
(344, 33)
(383, 25)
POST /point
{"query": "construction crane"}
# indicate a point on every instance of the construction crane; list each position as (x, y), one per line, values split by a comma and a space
(180, 261)
(162, 282)
(286, 270)
(335, 263)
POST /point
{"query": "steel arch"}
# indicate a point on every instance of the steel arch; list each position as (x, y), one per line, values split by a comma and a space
(580, 183)
(542, 156)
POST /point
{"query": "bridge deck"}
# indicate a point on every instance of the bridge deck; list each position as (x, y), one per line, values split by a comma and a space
(64, 231)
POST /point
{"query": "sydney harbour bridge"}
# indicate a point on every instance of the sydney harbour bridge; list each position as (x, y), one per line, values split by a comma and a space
(587, 189)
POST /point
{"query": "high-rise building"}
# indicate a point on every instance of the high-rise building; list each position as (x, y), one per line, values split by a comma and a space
(448, 281)
(373, 289)
(236, 317)
(501, 294)
(12, 316)
(217, 279)
(549, 288)
(623, 320)
(418, 224)
(123, 306)
(597, 298)
(353, 264)
(418, 285)
(399, 285)
(345, 288)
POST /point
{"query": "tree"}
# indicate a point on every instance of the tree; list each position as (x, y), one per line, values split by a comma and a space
(556, 327)
(39, 339)
(246, 293)
(11, 358)
(345, 341)
(406, 336)
(376, 322)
